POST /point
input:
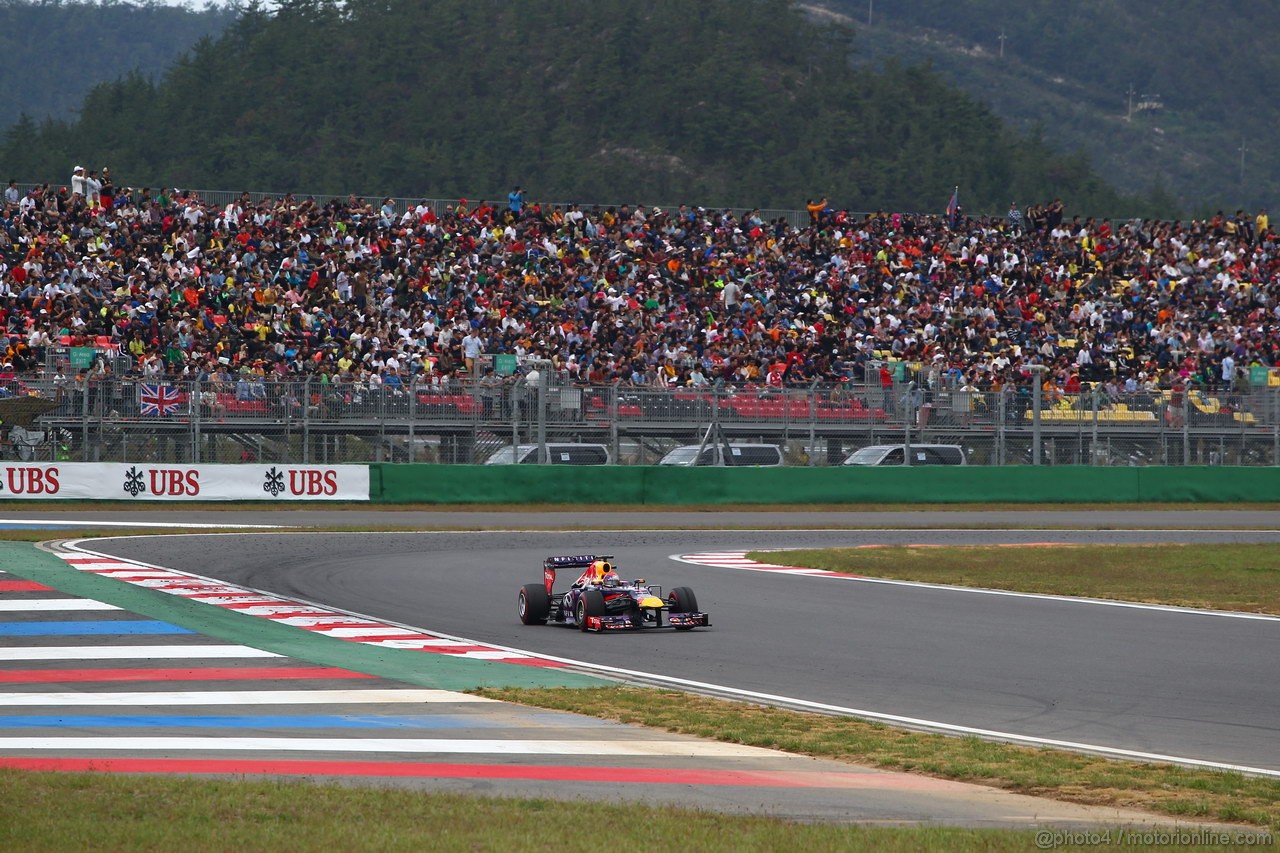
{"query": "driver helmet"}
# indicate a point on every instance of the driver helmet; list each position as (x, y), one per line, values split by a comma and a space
(602, 569)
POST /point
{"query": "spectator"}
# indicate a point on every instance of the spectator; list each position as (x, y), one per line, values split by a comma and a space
(343, 290)
(1014, 218)
(78, 182)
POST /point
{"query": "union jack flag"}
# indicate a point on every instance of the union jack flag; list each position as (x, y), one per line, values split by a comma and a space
(159, 399)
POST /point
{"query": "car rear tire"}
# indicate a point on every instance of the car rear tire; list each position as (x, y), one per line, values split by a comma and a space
(683, 600)
(533, 604)
(590, 603)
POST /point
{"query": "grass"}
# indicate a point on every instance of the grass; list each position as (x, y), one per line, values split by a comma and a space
(1179, 792)
(1220, 577)
(86, 811)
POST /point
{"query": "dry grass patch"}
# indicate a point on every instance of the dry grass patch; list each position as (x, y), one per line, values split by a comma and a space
(1221, 577)
(98, 811)
(1166, 789)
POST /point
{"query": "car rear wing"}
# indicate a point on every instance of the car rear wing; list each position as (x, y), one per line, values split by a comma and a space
(573, 561)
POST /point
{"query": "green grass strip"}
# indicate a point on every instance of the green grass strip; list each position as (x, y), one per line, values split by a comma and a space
(1217, 577)
(425, 669)
(74, 811)
(1191, 794)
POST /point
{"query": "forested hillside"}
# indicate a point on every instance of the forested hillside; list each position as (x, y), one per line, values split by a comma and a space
(1158, 93)
(738, 103)
(55, 51)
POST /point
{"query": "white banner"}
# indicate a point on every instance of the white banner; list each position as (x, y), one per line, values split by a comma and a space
(110, 481)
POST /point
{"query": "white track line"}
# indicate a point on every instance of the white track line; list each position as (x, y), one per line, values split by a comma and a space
(377, 633)
(68, 523)
(589, 746)
(19, 605)
(708, 560)
(130, 652)
(246, 698)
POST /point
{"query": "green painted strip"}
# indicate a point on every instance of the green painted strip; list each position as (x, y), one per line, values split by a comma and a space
(424, 669)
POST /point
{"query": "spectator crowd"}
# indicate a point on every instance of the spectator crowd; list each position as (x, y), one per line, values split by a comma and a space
(347, 291)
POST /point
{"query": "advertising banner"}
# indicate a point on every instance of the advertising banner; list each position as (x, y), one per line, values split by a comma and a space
(175, 482)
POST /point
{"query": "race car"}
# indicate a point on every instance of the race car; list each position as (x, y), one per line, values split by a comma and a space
(599, 600)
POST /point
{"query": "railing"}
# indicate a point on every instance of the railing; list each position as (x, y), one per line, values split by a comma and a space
(257, 418)
(221, 198)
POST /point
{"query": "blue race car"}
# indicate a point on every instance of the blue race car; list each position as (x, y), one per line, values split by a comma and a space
(599, 600)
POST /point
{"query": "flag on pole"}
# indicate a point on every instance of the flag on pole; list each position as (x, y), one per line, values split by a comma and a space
(953, 206)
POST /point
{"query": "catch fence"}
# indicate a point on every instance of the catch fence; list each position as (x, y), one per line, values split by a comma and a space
(117, 419)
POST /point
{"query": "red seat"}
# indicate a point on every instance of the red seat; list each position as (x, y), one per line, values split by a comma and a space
(631, 411)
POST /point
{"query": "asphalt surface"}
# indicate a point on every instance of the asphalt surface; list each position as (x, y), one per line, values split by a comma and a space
(1189, 685)
(89, 683)
(750, 519)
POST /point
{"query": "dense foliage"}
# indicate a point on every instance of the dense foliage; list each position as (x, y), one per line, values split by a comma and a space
(1203, 79)
(726, 102)
(54, 51)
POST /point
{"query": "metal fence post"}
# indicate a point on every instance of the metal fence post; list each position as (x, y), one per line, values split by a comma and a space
(813, 421)
(1002, 417)
(1274, 395)
(195, 403)
(84, 419)
(306, 420)
(906, 423)
(1186, 427)
(1093, 440)
(612, 409)
(543, 403)
(1037, 371)
(413, 420)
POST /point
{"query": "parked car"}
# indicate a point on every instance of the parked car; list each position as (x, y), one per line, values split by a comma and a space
(716, 454)
(557, 453)
(896, 454)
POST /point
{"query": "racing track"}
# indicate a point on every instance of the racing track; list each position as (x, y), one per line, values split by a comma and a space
(1184, 684)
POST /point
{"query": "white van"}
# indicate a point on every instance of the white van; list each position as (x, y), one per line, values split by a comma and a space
(761, 455)
(558, 453)
(896, 454)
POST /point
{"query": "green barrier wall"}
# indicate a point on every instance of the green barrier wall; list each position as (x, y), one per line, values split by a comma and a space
(490, 484)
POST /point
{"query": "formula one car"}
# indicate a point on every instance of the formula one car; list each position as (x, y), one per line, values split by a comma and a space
(599, 600)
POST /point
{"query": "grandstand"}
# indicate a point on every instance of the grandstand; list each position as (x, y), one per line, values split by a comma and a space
(164, 325)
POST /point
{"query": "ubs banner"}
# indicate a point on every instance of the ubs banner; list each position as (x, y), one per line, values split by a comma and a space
(110, 481)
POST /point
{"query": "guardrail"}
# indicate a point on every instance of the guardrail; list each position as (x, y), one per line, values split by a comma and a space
(125, 419)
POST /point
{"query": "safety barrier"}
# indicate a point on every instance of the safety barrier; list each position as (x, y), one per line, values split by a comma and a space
(652, 485)
(639, 485)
